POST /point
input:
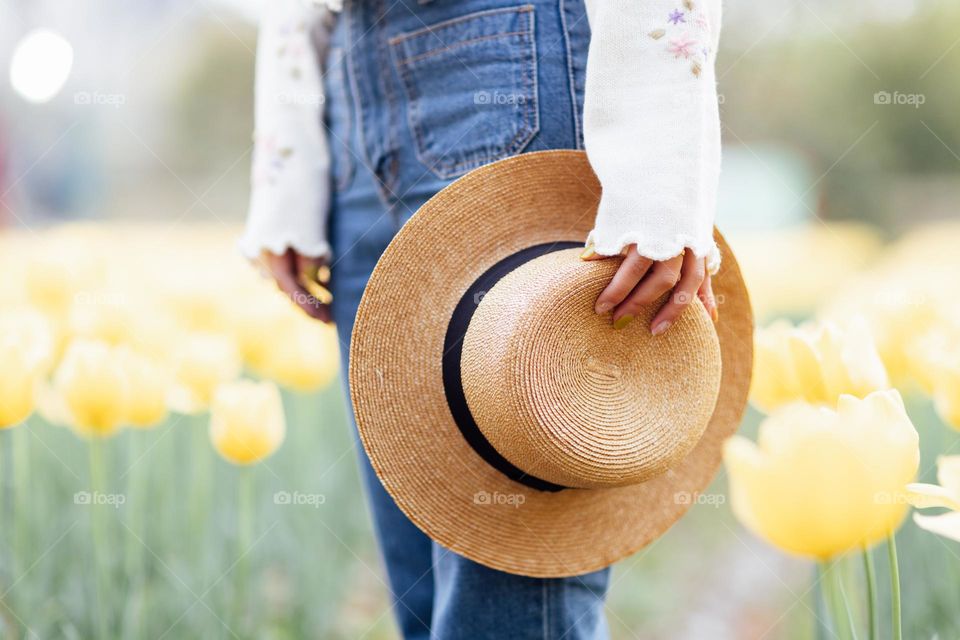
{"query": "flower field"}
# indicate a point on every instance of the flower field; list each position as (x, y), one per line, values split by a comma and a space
(176, 462)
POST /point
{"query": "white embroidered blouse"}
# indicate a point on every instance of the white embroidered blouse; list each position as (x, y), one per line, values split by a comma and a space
(651, 129)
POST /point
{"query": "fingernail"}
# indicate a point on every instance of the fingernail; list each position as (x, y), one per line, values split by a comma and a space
(588, 252)
(602, 307)
(714, 314)
(660, 328)
(622, 321)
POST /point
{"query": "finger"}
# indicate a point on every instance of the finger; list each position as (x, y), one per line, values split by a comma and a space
(709, 300)
(661, 279)
(313, 269)
(324, 314)
(691, 277)
(311, 304)
(630, 272)
(284, 271)
(313, 274)
(590, 253)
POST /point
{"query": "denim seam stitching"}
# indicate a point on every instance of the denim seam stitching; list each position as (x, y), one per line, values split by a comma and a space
(403, 37)
(447, 170)
(456, 45)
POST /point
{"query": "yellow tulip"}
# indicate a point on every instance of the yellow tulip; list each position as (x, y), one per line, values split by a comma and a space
(157, 333)
(199, 291)
(27, 349)
(785, 281)
(819, 481)
(57, 269)
(148, 386)
(932, 355)
(256, 326)
(902, 297)
(246, 421)
(946, 494)
(900, 332)
(18, 381)
(34, 332)
(934, 359)
(815, 363)
(91, 384)
(303, 354)
(102, 315)
(201, 362)
(946, 396)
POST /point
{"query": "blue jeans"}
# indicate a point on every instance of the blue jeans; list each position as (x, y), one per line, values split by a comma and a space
(409, 110)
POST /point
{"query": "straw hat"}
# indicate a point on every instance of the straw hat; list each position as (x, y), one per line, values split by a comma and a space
(510, 422)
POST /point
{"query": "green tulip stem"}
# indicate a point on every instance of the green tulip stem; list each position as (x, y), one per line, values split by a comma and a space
(871, 576)
(821, 607)
(21, 475)
(845, 605)
(4, 519)
(97, 530)
(829, 601)
(200, 483)
(244, 536)
(895, 586)
(836, 600)
(136, 501)
(134, 548)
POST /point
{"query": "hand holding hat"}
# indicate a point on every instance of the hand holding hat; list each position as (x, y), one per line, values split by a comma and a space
(640, 281)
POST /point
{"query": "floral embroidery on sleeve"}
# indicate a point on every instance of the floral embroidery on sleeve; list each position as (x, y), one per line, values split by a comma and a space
(687, 34)
(681, 46)
(270, 158)
(293, 45)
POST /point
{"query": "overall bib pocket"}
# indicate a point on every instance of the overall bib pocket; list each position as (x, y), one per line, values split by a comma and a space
(471, 87)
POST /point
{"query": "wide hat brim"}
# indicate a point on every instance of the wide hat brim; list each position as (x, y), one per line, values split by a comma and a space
(397, 390)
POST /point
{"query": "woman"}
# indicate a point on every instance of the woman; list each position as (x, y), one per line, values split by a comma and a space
(412, 94)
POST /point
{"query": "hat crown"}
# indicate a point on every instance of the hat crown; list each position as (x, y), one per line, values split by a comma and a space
(568, 399)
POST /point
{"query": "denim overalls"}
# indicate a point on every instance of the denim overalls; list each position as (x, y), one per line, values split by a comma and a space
(419, 92)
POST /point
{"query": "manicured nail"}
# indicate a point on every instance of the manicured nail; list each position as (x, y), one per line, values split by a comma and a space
(588, 252)
(715, 314)
(622, 321)
(602, 307)
(660, 328)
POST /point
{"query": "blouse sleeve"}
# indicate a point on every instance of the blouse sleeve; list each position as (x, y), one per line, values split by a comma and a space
(652, 125)
(290, 189)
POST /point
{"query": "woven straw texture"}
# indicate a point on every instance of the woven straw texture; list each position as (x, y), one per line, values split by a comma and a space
(565, 397)
(589, 416)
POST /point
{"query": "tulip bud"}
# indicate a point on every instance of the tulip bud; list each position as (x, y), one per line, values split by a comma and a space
(94, 391)
(246, 421)
(814, 363)
(304, 354)
(148, 385)
(201, 362)
(17, 385)
(946, 397)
